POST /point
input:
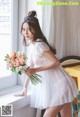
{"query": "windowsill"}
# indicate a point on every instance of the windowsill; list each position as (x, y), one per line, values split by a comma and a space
(7, 97)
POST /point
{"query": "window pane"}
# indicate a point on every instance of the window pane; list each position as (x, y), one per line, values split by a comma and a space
(5, 35)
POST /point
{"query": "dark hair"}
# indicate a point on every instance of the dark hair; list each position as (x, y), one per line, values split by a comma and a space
(33, 23)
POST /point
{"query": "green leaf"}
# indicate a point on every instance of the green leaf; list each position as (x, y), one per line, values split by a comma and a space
(7, 56)
(35, 80)
(38, 79)
(13, 69)
(32, 80)
(78, 96)
(37, 75)
(19, 73)
(5, 59)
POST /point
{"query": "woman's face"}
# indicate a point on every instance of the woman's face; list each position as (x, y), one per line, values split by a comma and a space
(27, 33)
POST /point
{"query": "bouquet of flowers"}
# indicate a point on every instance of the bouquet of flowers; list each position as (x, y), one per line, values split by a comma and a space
(16, 62)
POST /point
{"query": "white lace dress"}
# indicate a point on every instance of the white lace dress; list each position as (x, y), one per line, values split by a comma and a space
(57, 86)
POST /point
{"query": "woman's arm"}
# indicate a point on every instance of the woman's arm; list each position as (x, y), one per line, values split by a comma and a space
(54, 62)
(26, 82)
(24, 91)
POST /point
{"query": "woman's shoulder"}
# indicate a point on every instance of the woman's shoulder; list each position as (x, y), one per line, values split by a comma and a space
(41, 46)
(40, 42)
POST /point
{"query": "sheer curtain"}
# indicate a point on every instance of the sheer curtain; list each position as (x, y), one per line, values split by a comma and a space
(61, 26)
(22, 13)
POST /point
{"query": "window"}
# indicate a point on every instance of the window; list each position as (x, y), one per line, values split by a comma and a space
(5, 34)
(8, 39)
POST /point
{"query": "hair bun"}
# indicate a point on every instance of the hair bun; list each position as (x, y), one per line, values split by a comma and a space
(32, 13)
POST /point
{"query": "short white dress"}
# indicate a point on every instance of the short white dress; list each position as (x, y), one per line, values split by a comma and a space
(57, 86)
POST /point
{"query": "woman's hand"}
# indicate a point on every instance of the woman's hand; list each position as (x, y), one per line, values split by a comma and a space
(30, 71)
(23, 93)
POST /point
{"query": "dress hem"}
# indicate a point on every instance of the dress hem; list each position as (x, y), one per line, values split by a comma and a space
(49, 106)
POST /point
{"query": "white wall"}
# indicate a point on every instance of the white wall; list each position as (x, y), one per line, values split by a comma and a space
(21, 11)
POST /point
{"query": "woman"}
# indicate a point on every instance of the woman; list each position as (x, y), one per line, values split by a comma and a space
(57, 89)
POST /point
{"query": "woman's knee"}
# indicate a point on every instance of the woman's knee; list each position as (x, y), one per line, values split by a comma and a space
(52, 111)
(67, 109)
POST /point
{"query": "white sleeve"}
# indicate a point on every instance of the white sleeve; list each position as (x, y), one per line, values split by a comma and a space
(41, 47)
(30, 61)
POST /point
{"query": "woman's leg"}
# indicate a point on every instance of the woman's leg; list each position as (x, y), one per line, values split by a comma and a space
(43, 111)
(52, 111)
(66, 111)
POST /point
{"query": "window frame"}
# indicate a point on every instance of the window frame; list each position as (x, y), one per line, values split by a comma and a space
(11, 80)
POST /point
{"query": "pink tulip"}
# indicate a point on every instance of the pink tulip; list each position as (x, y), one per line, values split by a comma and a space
(10, 65)
(21, 62)
(13, 53)
(17, 64)
(17, 57)
(23, 57)
(12, 60)
(8, 59)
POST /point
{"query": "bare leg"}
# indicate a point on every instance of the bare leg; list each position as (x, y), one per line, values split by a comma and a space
(52, 111)
(66, 111)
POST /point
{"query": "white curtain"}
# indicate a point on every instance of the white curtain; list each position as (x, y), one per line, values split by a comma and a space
(61, 26)
(22, 13)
